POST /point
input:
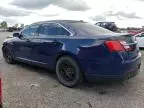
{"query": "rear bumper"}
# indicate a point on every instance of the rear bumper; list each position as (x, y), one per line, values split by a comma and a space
(112, 70)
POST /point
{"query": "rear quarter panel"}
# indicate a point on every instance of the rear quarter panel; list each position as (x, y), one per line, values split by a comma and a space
(81, 48)
(88, 52)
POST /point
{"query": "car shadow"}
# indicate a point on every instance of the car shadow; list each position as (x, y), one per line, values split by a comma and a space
(104, 88)
(117, 88)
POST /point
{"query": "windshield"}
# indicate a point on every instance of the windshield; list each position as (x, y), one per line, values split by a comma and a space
(87, 29)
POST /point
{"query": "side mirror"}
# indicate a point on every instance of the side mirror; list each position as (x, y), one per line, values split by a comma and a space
(16, 35)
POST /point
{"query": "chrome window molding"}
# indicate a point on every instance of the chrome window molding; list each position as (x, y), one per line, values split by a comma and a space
(71, 34)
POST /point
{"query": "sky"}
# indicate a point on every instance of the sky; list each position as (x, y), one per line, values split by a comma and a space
(125, 13)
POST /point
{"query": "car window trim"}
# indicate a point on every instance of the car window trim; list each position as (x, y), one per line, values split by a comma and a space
(71, 34)
(28, 38)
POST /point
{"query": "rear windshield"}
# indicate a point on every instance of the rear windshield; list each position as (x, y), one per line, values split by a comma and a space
(127, 38)
(87, 29)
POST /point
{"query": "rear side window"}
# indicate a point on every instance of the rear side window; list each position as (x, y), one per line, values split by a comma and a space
(87, 29)
(53, 29)
(30, 31)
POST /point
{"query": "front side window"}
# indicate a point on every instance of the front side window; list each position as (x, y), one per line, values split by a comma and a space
(53, 29)
(30, 31)
(25, 32)
(43, 30)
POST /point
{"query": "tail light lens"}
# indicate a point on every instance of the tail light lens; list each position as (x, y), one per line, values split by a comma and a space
(125, 45)
(115, 46)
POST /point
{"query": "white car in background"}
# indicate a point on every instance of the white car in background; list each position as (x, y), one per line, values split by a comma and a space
(140, 39)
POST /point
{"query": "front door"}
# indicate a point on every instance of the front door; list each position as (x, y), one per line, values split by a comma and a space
(48, 43)
(24, 45)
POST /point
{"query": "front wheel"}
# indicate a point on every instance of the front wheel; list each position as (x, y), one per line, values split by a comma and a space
(8, 55)
(68, 72)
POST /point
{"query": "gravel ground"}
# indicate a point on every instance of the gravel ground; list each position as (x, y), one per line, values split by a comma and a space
(25, 86)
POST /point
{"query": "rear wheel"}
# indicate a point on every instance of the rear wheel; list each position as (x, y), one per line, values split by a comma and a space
(68, 72)
(8, 55)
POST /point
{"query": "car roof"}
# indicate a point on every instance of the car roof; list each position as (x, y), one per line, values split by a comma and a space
(105, 22)
(59, 21)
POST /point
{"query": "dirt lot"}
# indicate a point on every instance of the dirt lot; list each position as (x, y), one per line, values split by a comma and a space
(25, 86)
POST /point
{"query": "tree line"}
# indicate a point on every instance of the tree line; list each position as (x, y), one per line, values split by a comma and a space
(4, 25)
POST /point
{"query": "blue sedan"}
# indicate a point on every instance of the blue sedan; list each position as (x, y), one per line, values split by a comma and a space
(76, 50)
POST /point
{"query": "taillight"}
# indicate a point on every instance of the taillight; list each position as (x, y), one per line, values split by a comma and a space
(125, 45)
(114, 46)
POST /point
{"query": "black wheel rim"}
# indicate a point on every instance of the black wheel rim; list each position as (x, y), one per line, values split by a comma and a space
(67, 71)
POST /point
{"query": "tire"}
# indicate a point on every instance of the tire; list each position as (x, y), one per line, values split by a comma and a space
(8, 55)
(68, 72)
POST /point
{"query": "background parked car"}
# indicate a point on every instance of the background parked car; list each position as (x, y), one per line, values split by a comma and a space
(12, 29)
(140, 39)
(2, 29)
(108, 25)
